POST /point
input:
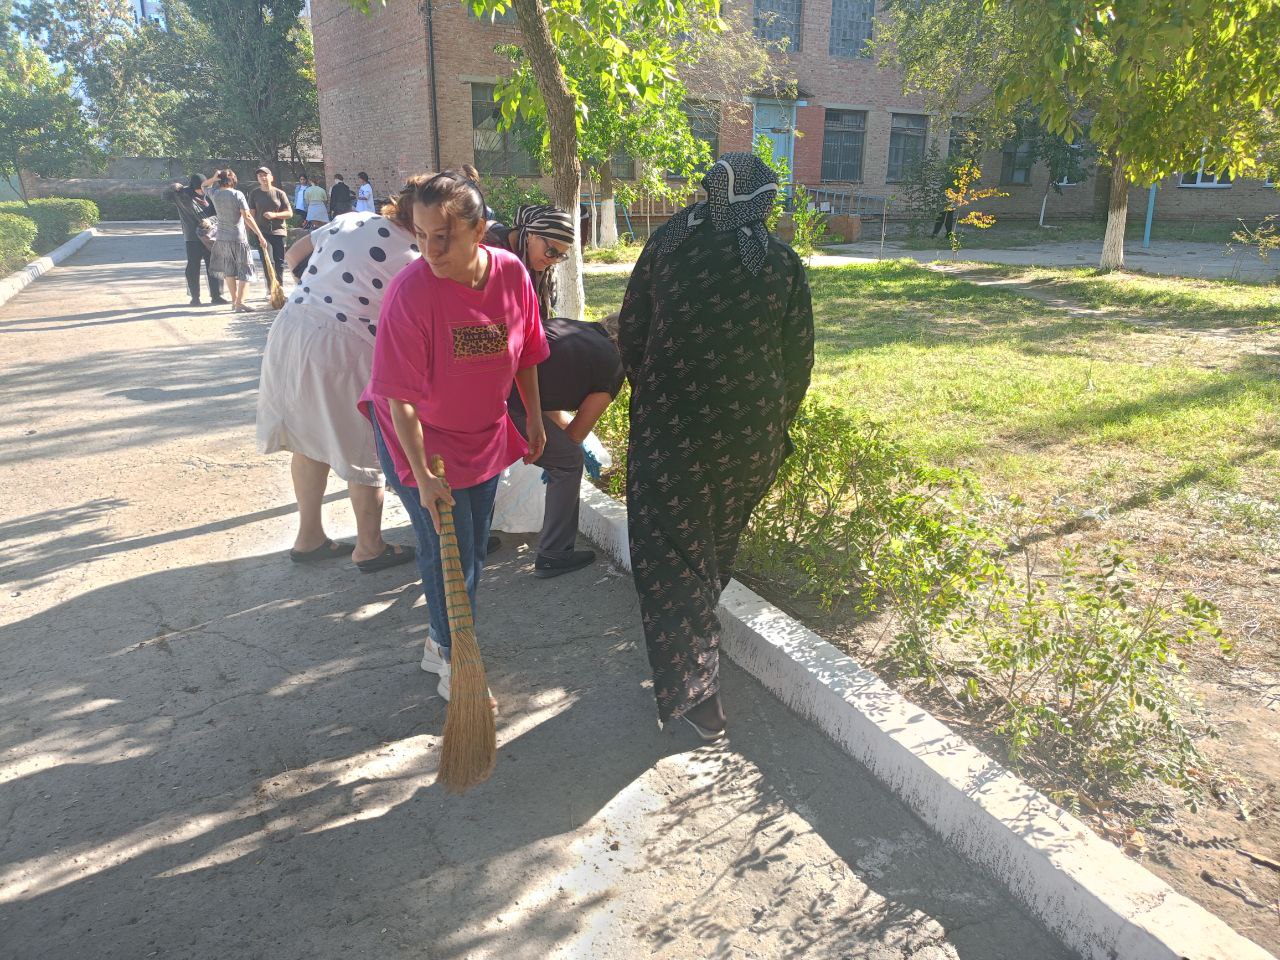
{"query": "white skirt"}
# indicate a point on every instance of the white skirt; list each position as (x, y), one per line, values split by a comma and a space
(312, 375)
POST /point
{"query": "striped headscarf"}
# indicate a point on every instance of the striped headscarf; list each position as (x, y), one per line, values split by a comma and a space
(740, 190)
(550, 223)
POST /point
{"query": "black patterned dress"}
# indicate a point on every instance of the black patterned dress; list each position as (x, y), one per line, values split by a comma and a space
(719, 361)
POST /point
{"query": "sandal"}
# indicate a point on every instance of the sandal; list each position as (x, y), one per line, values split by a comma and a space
(392, 556)
(326, 551)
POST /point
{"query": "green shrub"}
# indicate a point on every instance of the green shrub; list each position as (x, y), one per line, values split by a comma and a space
(17, 233)
(138, 206)
(509, 194)
(56, 218)
(810, 224)
(1072, 662)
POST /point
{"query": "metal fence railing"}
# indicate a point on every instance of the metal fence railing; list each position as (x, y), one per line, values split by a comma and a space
(846, 202)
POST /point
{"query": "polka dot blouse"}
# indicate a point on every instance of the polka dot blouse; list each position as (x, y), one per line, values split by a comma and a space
(353, 260)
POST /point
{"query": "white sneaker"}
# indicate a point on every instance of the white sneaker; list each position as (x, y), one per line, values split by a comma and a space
(433, 659)
(442, 688)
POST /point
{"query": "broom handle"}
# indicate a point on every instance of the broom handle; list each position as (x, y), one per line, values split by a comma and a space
(456, 600)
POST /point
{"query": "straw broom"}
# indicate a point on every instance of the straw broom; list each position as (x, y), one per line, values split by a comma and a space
(470, 739)
(273, 283)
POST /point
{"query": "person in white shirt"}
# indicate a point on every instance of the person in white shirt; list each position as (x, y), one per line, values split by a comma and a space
(364, 195)
(299, 200)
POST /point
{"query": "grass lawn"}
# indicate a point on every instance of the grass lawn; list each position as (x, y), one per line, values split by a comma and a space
(1154, 382)
(1017, 234)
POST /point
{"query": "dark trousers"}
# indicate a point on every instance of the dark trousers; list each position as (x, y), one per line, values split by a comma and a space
(277, 254)
(562, 459)
(197, 252)
(948, 218)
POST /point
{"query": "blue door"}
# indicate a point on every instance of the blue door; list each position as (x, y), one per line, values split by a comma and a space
(777, 121)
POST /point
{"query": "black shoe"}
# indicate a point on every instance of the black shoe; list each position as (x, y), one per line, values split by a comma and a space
(219, 300)
(194, 302)
(707, 719)
(495, 543)
(546, 567)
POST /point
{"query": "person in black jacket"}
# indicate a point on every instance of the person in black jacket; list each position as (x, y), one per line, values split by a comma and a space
(193, 208)
(340, 196)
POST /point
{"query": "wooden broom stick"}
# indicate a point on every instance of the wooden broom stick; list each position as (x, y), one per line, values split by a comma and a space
(470, 746)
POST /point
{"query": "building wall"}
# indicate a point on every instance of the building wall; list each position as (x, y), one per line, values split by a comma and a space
(375, 104)
(375, 112)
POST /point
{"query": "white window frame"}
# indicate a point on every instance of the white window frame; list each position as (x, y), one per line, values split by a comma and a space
(1201, 183)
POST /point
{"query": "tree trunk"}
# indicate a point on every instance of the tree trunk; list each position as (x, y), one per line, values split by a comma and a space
(562, 126)
(608, 214)
(1044, 201)
(593, 237)
(1117, 212)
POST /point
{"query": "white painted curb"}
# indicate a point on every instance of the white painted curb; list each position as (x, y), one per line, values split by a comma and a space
(15, 282)
(1089, 894)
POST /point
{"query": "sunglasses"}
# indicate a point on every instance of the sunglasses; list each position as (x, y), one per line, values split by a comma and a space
(552, 253)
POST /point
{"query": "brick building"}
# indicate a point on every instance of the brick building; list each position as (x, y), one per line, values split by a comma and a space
(410, 88)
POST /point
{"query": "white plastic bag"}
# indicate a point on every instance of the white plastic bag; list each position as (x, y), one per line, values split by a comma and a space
(520, 502)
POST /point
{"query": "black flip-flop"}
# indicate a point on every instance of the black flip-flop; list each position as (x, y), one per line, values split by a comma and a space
(391, 557)
(326, 551)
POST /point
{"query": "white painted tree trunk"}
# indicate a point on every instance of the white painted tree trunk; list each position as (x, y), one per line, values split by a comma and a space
(608, 218)
(1044, 202)
(1117, 214)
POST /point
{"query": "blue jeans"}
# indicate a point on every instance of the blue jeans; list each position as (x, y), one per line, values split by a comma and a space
(472, 511)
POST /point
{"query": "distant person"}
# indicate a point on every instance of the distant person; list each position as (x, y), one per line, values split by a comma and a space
(272, 211)
(317, 199)
(340, 198)
(229, 258)
(716, 332)
(195, 211)
(364, 194)
(317, 363)
(300, 196)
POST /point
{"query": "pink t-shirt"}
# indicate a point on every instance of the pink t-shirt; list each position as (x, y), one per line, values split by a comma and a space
(453, 352)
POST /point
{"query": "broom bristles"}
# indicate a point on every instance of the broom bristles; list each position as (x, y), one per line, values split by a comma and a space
(470, 748)
(470, 751)
(277, 291)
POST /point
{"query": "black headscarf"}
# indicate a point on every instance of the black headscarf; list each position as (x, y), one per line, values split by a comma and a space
(740, 193)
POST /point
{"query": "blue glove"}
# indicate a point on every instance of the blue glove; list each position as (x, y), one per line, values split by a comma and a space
(591, 463)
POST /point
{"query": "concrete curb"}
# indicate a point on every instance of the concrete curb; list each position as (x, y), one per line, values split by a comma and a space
(15, 282)
(1088, 893)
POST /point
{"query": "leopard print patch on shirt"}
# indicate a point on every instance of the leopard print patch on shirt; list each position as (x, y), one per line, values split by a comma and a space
(480, 342)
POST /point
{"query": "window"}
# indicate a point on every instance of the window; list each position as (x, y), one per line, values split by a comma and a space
(851, 28)
(497, 151)
(906, 144)
(843, 135)
(1203, 178)
(1076, 173)
(704, 123)
(962, 141)
(1015, 162)
(779, 20)
(622, 167)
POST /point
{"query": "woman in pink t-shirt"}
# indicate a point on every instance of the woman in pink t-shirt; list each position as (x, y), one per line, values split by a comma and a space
(455, 329)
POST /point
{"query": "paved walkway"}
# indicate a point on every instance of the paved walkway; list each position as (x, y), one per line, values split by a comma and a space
(208, 752)
(1165, 258)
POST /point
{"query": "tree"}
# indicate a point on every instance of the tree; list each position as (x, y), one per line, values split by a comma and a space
(254, 90)
(596, 36)
(1162, 87)
(111, 60)
(41, 126)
